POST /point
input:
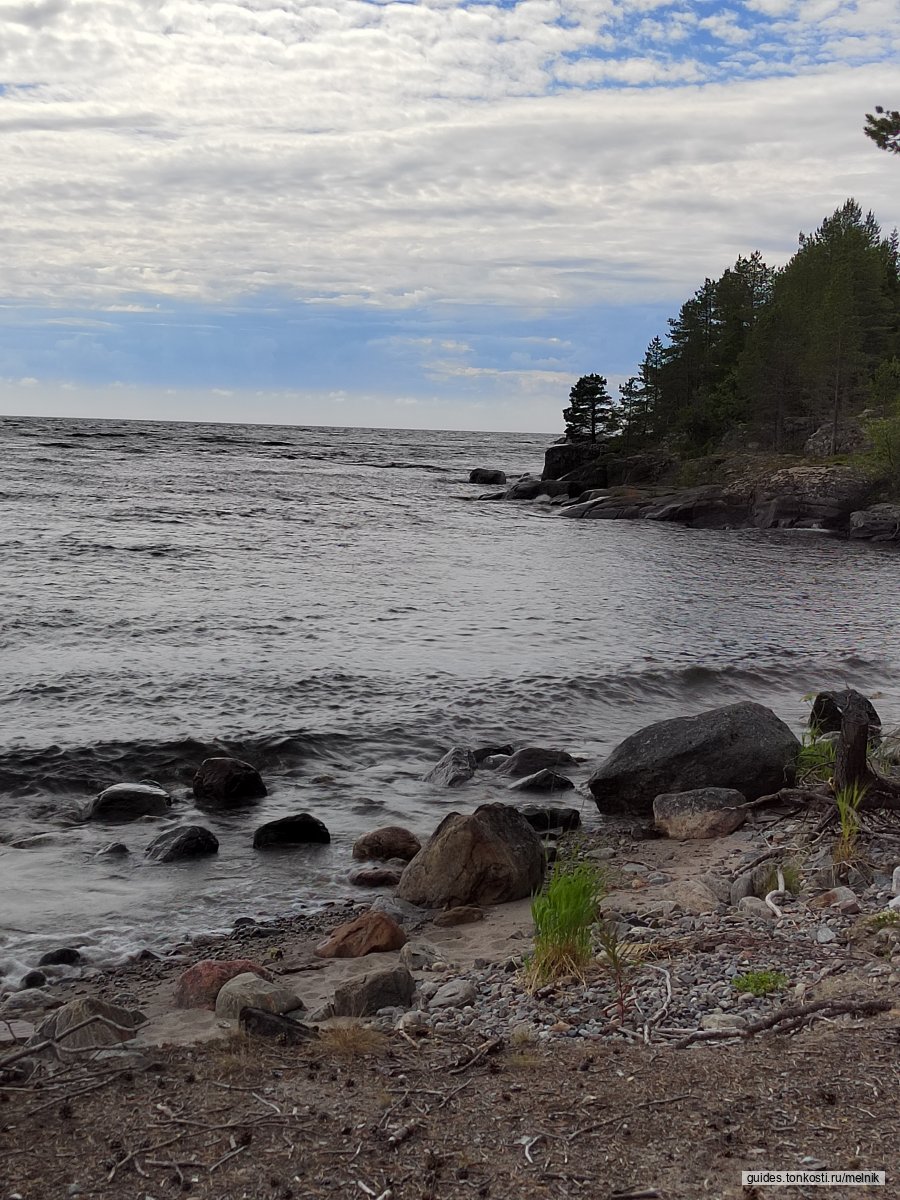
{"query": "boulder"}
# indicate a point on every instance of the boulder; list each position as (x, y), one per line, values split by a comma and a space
(542, 781)
(227, 783)
(199, 985)
(110, 1025)
(33, 979)
(407, 915)
(370, 933)
(486, 857)
(376, 877)
(387, 988)
(390, 842)
(113, 850)
(66, 956)
(532, 759)
(879, 522)
(742, 746)
(182, 841)
(456, 767)
(299, 830)
(828, 709)
(702, 813)
(30, 1000)
(544, 817)
(127, 802)
(486, 475)
(249, 991)
(529, 487)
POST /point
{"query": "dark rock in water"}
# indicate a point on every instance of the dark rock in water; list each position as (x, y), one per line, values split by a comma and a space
(544, 817)
(542, 781)
(392, 841)
(564, 457)
(66, 956)
(829, 707)
(533, 759)
(366, 994)
(702, 813)
(300, 830)
(183, 841)
(34, 979)
(529, 487)
(483, 752)
(127, 802)
(484, 475)
(457, 766)
(259, 1023)
(375, 877)
(228, 782)
(880, 522)
(486, 857)
(742, 746)
(113, 850)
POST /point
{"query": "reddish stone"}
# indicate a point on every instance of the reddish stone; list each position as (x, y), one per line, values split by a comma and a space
(370, 933)
(199, 985)
(392, 841)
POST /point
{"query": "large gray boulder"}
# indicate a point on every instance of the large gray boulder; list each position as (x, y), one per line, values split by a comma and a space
(742, 746)
(702, 813)
(388, 987)
(489, 856)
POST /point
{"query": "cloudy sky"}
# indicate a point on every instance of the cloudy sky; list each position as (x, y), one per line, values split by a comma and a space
(431, 213)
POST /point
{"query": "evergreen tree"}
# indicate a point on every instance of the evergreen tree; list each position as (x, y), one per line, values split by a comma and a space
(883, 127)
(591, 412)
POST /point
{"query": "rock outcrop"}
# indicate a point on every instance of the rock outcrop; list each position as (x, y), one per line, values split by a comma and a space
(878, 523)
(487, 857)
(742, 746)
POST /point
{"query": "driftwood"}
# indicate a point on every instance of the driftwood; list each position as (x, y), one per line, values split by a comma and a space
(790, 1017)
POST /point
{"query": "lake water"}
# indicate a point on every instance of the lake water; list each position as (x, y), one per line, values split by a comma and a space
(337, 607)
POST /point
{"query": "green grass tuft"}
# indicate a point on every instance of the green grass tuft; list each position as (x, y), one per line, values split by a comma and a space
(848, 800)
(563, 915)
(760, 983)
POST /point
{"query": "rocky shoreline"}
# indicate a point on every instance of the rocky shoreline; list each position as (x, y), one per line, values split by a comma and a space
(743, 492)
(727, 920)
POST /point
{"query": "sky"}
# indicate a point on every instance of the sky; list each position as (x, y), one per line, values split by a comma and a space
(404, 213)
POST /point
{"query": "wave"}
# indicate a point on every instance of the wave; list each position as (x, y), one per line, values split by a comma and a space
(89, 769)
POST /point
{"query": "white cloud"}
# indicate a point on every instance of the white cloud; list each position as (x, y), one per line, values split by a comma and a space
(392, 155)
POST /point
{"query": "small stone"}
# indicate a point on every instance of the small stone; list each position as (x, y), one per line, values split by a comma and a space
(824, 935)
(722, 1021)
(754, 907)
(843, 898)
(463, 914)
(420, 955)
(414, 1022)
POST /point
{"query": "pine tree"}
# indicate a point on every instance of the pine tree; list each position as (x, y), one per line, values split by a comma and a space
(884, 129)
(591, 412)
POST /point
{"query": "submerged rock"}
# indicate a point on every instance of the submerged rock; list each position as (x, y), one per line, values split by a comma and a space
(127, 802)
(486, 475)
(228, 782)
(542, 781)
(183, 841)
(376, 876)
(299, 830)
(742, 746)
(66, 956)
(456, 767)
(532, 759)
(486, 857)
